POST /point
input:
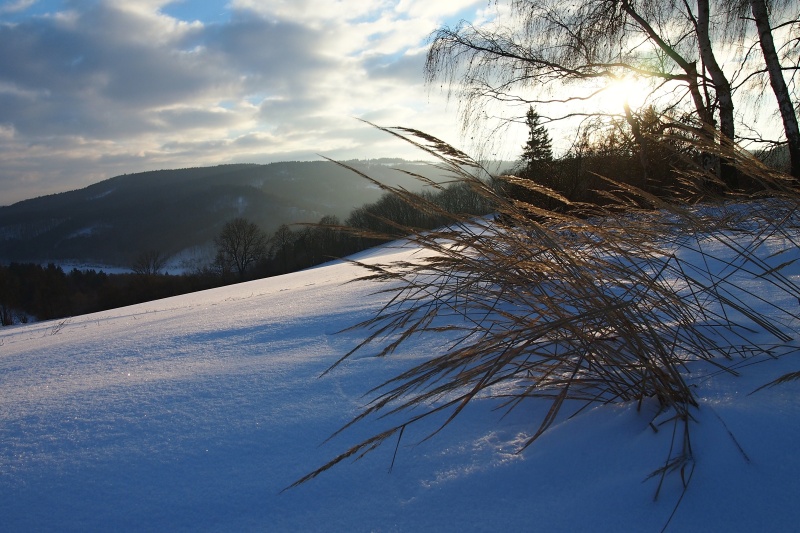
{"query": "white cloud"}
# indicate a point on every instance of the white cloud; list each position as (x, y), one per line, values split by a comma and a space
(113, 87)
(15, 6)
(425, 9)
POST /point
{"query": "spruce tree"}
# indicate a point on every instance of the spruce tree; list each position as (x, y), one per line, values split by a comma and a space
(538, 149)
(536, 164)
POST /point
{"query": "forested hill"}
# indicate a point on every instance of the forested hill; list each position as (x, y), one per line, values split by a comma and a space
(172, 211)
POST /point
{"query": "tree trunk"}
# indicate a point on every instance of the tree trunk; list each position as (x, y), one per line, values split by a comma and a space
(691, 76)
(761, 16)
(641, 141)
(722, 87)
(688, 67)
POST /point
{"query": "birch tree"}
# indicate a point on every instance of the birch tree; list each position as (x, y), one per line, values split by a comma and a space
(760, 13)
(549, 46)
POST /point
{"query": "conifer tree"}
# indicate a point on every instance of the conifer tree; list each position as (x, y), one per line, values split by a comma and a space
(535, 165)
(538, 149)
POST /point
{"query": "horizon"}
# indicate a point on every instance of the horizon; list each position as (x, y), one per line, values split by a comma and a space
(98, 89)
(95, 89)
(498, 162)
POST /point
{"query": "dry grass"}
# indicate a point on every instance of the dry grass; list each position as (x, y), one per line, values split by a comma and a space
(601, 305)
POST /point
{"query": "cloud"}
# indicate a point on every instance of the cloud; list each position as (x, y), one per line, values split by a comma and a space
(105, 87)
(15, 6)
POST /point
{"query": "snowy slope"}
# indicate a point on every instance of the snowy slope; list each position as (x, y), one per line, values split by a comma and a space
(193, 413)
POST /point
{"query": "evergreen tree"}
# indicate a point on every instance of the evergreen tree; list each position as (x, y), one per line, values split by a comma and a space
(538, 149)
(536, 164)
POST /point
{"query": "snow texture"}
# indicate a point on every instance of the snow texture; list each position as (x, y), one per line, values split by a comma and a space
(193, 413)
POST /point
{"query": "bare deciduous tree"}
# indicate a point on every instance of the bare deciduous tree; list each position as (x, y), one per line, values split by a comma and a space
(546, 46)
(240, 244)
(779, 60)
(149, 262)
(774, 68)
(281, 244)
(549, 44)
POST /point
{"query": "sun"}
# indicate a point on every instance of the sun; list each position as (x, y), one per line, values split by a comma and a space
(628, 90)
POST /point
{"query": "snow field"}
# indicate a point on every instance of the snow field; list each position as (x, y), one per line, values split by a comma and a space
(194, 412)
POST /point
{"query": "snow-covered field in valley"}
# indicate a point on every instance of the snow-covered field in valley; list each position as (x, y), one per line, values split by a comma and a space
(193, 413)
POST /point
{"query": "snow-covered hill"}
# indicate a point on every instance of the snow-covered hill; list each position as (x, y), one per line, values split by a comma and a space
(193, 413)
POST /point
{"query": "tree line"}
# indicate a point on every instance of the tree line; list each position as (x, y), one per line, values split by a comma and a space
(31, 292)
(609, 150)
(244, 251)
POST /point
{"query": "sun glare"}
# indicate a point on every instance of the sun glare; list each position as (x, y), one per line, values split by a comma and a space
(630, 90)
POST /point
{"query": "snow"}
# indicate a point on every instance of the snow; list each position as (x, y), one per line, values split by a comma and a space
(102, 194)
(88, 231)
(68, 266)
(193, 413)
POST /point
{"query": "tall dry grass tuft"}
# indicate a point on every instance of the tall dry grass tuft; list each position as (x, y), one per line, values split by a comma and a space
(587, 305)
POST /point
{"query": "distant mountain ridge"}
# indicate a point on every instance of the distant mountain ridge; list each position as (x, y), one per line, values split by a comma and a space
(174, 211)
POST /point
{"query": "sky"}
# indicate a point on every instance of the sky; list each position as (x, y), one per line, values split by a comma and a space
(90, 89)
